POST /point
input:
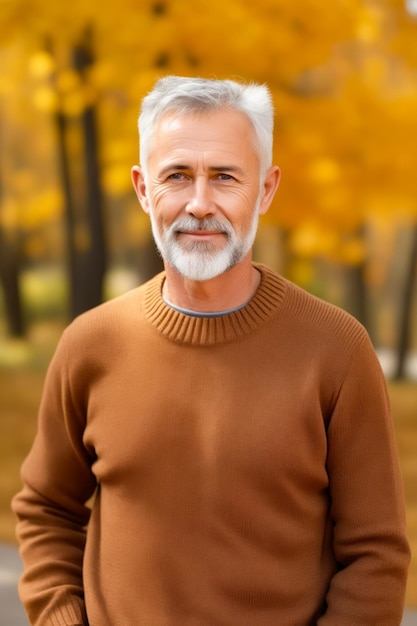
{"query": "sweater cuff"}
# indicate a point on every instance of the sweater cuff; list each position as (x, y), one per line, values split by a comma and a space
(71, 613)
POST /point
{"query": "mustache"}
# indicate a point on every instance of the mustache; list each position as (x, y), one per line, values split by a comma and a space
(190, 224)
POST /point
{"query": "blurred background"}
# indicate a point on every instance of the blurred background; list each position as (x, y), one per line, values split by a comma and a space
(343, 74)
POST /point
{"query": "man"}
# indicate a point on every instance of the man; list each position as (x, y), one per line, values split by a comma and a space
(234, 430)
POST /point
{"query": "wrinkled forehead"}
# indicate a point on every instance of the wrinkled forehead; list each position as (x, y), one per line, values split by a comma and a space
(225, 131)
(213, 127)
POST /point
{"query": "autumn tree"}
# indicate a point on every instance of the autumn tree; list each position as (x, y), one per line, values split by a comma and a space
(9, 277)
(343, 84)
(86, 240)
(10, 244)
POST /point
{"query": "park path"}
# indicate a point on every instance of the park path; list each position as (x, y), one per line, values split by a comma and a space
(12, 613)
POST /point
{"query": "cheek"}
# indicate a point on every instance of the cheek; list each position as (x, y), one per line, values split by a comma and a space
(241, 204)
(164, 203)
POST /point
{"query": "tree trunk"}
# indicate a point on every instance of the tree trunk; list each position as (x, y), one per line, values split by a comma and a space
(90, 265)
(87, 262)
(357, 294)
(406, 305)
(69, 213)
(95, 259)
(9, 280)
(9, 277)
(358, 299)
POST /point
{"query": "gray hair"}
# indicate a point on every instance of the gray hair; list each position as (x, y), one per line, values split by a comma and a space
(195, 95)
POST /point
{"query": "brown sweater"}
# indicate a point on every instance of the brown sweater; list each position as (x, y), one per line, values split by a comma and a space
(245, 470)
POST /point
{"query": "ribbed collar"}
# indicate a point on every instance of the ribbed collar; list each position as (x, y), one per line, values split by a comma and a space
(183, 328)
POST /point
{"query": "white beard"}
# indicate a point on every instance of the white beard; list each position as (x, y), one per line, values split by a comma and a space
(201, 260)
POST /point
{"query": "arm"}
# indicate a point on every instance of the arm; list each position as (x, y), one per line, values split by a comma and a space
(367, 502)
(51, 510)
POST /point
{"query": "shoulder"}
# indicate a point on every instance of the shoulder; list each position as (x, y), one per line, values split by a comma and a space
(316, 320)
(102, 336)
(109, 322)
(123, 308)
(312, 310)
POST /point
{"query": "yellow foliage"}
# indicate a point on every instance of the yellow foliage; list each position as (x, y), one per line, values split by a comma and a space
(324, 171)
(67, 81)
(41, 208)
(313, 239)
(73, 104)
(116, 179)
(9, 215)
(45, 98)
(353, 251)
(41, 65)
(137, 226)
(342, 74)
(375, 70)
(368, 28)
(22, 181)
(301, 271)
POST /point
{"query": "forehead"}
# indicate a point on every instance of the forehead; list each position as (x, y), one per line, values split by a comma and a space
(225, 131)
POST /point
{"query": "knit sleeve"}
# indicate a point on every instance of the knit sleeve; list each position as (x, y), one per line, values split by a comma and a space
(51, 507)
(367, 501)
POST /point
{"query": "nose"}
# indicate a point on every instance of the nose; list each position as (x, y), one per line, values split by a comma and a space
(200, 203)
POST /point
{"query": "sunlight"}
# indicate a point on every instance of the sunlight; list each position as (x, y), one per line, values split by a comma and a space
(411, 6)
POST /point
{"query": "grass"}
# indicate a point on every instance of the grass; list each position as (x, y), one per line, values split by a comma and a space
(404, 407)
(19, 397)
(22, 371)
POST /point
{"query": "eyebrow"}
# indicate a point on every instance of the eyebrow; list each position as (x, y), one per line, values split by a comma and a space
(226, 168)
(173, 167)
(182, 167)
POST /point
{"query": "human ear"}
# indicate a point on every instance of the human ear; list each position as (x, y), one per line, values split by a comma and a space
(138, 180)
(270, 185)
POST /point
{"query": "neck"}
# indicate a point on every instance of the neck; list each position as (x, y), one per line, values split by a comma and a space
(227, 291)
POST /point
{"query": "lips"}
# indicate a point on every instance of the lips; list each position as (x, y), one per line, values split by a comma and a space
(200, 229)
(201, 233)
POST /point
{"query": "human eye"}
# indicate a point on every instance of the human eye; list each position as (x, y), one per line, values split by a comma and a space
(225, 176)
(177, 176)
